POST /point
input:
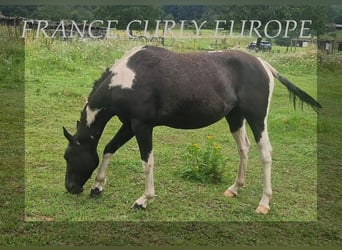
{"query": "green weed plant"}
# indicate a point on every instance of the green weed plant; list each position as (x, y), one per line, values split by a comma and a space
(205, 163)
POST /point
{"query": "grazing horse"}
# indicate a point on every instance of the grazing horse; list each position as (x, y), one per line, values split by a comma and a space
(152, 86)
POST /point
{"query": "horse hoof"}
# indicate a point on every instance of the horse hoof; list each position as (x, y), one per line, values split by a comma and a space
(95, 193)
(138, 206)
(262, 210)
(229, 193)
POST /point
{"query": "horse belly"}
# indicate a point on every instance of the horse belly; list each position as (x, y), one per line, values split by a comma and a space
(193, 115)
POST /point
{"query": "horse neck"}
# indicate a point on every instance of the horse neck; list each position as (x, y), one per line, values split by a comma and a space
(93, 132)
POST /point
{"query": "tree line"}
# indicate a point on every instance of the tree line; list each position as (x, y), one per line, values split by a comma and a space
(320, 15)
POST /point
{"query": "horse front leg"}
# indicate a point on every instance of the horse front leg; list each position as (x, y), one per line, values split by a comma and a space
(143, 134)
(124, 134)
(100, 179)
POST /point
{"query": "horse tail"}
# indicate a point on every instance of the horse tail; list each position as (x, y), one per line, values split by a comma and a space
(294, 91)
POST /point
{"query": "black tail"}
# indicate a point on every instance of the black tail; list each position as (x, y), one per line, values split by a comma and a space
(294, 90)
(297, 92)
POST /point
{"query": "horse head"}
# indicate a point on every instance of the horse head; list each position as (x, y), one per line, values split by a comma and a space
(81, 160)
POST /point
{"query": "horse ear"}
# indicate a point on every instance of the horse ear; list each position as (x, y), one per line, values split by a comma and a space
(68, 136)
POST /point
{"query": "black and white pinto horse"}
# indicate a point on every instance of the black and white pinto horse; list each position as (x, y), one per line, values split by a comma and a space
(152, 86)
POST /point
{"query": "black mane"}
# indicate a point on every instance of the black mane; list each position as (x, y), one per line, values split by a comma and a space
(98, 82)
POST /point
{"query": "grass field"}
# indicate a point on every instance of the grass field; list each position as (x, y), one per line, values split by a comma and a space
(61, 74)
(58, 78)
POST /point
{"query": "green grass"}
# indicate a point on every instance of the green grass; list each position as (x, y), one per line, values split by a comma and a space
(58, 78)
(12, 133)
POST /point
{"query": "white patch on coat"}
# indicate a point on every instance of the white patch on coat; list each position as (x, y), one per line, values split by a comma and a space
(123, 75)
(91, 114)
(270, 71)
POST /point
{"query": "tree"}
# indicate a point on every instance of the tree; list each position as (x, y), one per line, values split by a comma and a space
(17, 11)
(335, 14)
(126, 13)
(184, 12)
(265, 13)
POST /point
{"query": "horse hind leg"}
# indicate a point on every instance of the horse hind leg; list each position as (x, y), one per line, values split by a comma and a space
(259, 128)
(143, 134)
(260, 132)
(266, 157)
(149, 193)
(238, 130)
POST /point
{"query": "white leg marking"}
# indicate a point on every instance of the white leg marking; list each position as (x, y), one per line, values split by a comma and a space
(123, 75)
(100, 179)
(243, 144)
(266, 157)
(149, 183)
(91, 115)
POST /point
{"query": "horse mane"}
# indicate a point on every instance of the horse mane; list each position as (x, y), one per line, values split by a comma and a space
(98, 82)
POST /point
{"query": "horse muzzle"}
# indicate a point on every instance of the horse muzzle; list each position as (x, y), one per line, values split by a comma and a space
(73, 188)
